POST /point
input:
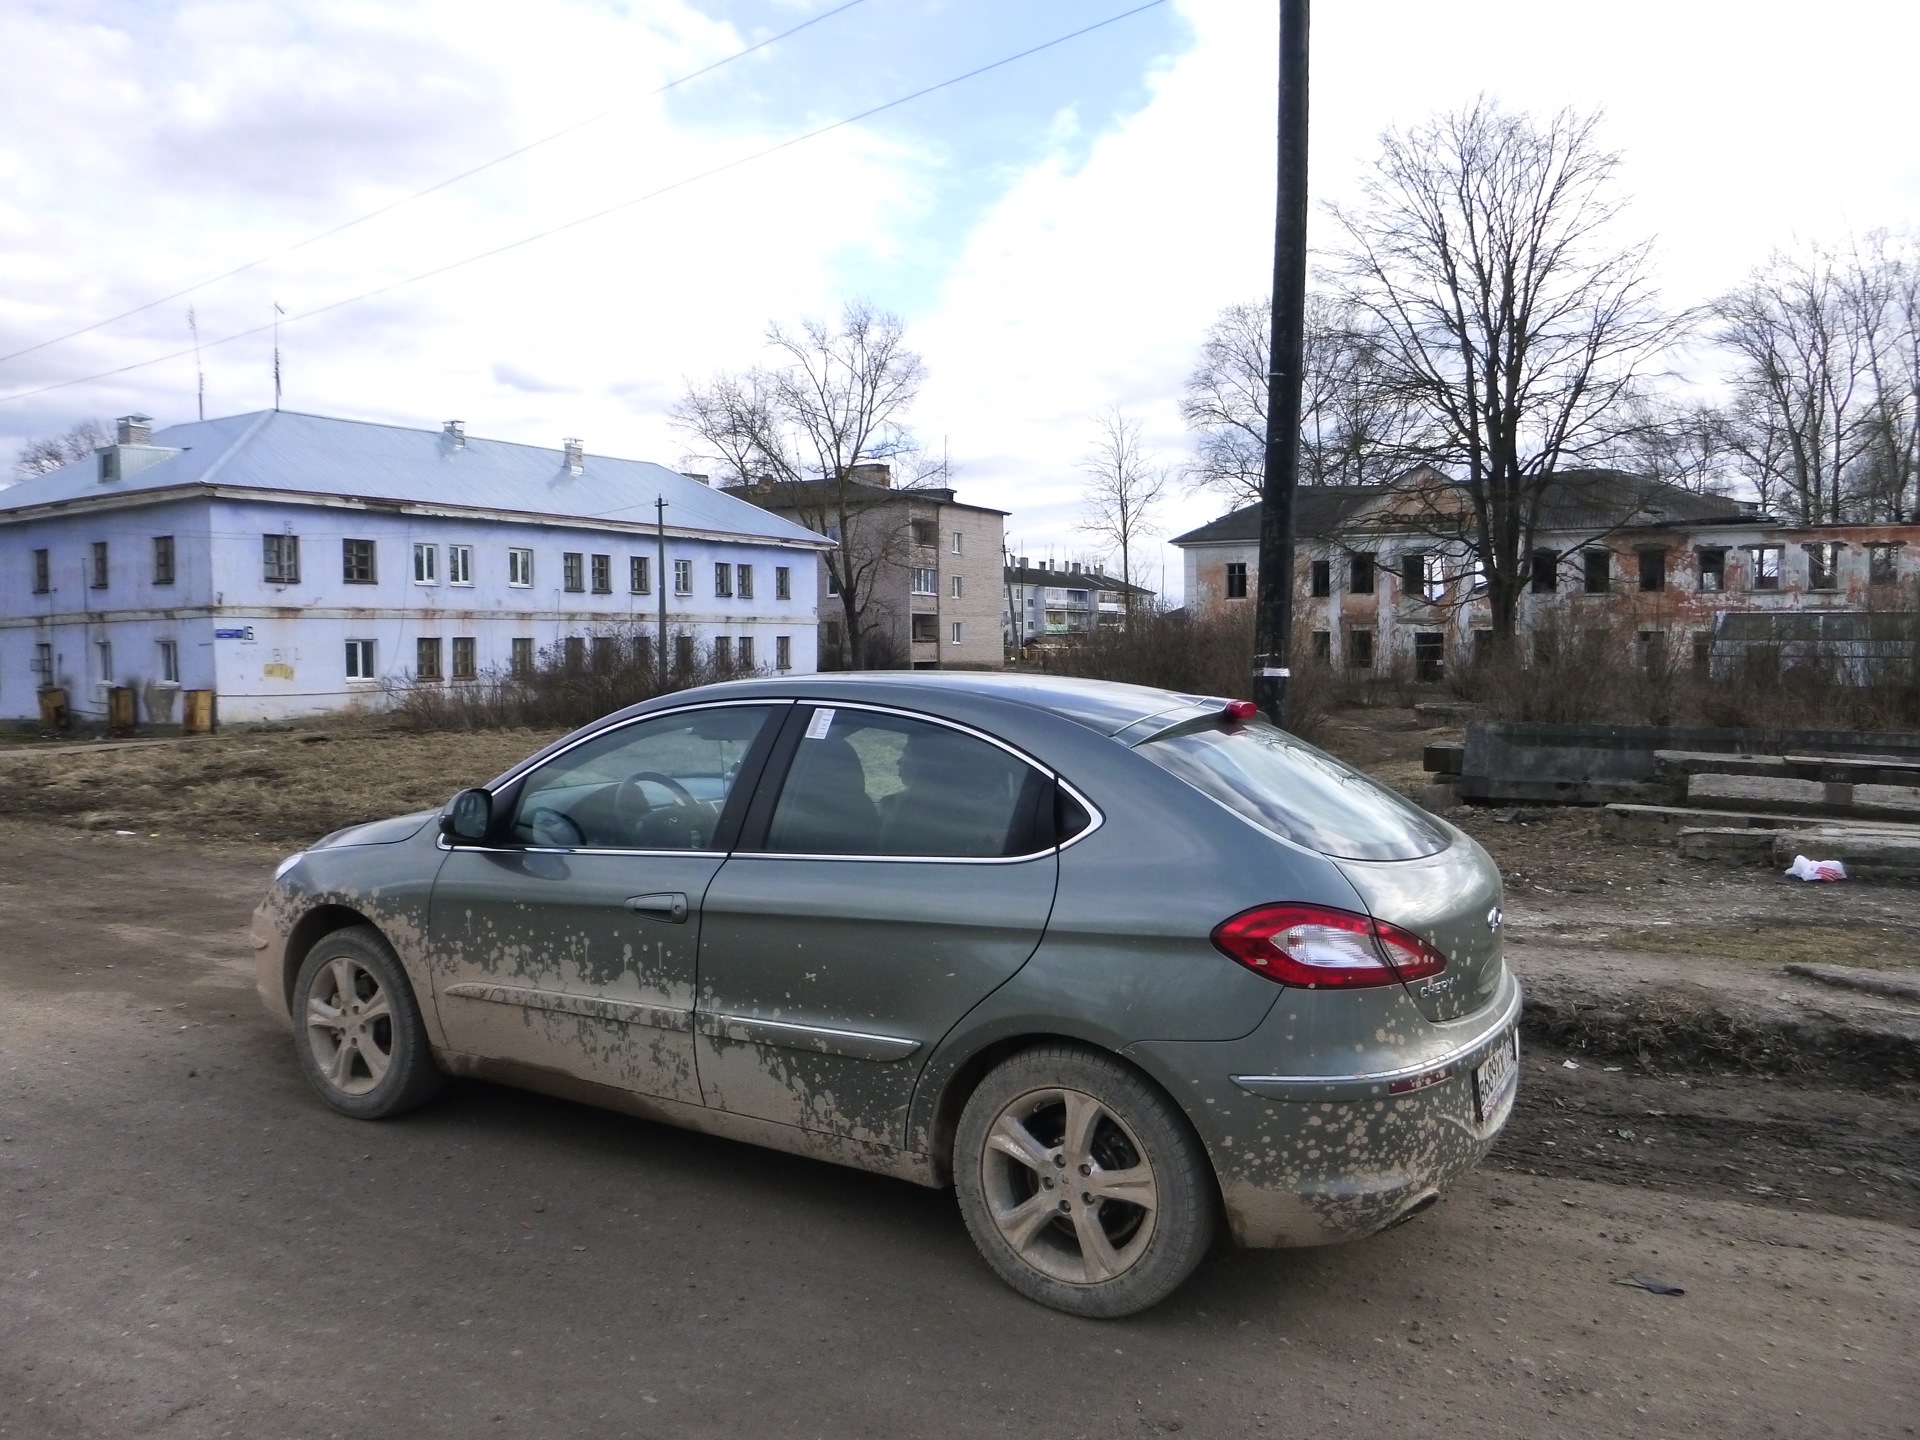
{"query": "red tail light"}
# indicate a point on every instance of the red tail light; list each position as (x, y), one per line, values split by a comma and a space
(1319, 948)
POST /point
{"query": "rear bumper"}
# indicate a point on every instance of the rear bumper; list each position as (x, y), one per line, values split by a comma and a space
(1318, 1157)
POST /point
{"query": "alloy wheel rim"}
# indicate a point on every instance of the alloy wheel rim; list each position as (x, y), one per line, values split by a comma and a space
(350, 1026)
(1069, 1186)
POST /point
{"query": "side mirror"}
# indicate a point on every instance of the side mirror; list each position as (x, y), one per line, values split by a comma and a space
(468, 816)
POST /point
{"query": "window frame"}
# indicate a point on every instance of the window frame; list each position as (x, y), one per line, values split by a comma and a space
(43, 571)
(100, 570)
(683, 577)
(600, 574)
(783, 652)
(348, 575)
(169, 659)
(520, 559)
(426, 563)
(573, 572)
(521, 656)
(723, 580)
(165, 560)
(743, 582)
(639, 574)
(1233, 584)
(460, 565)
(275, 555)
(467, 646)
(363, 657)
(783, 582)
(1757, 579)
(423, 646)
(924, 580)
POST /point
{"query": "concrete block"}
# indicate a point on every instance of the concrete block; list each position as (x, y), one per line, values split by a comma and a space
(1804, 797)
(1743, 845)
(1442, 759)
(1869, 853)
(1440, 797)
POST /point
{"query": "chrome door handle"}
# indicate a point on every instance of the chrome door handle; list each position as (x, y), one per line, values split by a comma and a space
(668, 905)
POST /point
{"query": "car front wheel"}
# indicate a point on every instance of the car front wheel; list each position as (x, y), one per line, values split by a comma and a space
(1081, 1183)
(358, 1029)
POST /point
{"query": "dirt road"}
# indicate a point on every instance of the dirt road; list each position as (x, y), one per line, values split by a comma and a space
(193, 1246)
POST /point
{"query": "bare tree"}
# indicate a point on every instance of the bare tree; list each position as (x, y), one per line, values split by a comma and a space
(1887, 293)
(1124, 482)
(1506, 323)
(50, 452)
(1349, 424)
(797, 433)
(1687, 445)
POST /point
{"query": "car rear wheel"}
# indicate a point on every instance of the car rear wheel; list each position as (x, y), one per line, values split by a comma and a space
(358, 1028)
(1081, 1183)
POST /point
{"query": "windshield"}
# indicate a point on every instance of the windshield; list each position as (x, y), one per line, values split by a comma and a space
(1294, 790)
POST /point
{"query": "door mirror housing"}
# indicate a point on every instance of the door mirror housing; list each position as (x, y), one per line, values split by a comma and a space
(468, 816)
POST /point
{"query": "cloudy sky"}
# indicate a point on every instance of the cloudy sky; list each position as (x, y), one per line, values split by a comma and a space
(1057, 233)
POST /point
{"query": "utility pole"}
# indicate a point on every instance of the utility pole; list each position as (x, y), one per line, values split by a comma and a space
(660, 581)
(1274, 618)
(277, 313)
(199, 373)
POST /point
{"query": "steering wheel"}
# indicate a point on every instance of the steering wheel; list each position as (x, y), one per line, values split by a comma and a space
(630, 803)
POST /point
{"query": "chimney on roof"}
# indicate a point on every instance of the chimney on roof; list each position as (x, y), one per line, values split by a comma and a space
(135, 429)
(872, 472)
(1075, 567)
(691, 475)
(457, 433)
(1023, 562)
(576, 456)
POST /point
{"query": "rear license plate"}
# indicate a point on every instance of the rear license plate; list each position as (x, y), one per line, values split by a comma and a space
(1494, 1079)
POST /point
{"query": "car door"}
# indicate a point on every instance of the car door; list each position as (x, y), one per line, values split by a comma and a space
(570, 939)
(894, 870)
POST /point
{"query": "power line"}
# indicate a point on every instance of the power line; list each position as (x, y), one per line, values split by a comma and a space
(609, 210)
(468, 174)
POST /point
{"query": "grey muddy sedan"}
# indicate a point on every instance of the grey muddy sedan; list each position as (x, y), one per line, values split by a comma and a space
(1117, 964)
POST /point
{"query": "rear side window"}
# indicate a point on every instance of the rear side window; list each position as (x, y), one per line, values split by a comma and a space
(1296, 791)
(864, 783)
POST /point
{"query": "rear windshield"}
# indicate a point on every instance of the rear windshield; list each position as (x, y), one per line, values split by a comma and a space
(1297, 791)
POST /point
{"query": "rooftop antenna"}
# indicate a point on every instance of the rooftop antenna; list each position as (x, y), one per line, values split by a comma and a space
(199, 374)
(277, 313)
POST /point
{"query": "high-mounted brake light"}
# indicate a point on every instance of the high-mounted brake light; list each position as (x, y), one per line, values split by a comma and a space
(1316, 947)
(1240, 710)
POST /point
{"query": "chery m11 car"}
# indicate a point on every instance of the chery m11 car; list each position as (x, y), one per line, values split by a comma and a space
(1119, 965)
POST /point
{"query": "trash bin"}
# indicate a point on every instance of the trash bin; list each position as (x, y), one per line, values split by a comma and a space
(197, 718)
(53, 708)
(120, 711)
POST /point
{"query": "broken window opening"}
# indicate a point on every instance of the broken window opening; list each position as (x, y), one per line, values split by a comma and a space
(1360, 575)
(1766, 567)
(1713, 570)
(1544, 572)
(1429, 656)
(1823, 565)
(1653, 570)
(1598, 565)
(1320, 581)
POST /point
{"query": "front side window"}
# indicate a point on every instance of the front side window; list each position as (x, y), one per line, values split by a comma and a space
(360, 660)
(658, 784)
(603, 574)
(782, 582)
(683, 577)
(868, 784)
(99, 564)
(42, 572)
(743, 581)
(426, 661)
(1236, 580)
(926, 580)
(573, 571)
(163, 559)
(519, 568)
(464, 667)
(280, 559)
(460, 564)
(723, 581)
(169, 662)
(357, 562)
(426, 564)
(640, 575)
(1295, 791)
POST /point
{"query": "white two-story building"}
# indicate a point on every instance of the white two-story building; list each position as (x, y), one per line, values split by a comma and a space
(295, 564)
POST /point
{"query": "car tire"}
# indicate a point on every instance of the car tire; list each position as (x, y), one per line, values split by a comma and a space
(1082, 1184)
(357, 1027)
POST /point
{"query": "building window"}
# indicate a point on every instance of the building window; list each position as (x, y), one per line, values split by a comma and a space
(1650, 647)
(460, 564)
(722, 652)
(957, 587)
(573, 571)
(1653, 570)
(643, 653)
(1543, 572)
(574, 648)
(99, 564)
(926, 581)
(926, 629)
(745, 652)
(640, 575)
(722, 581)
(357, 562)
(783, 652)
(1236, 580)
(606, 653)
(830, 633)
(833, 583)
(1359, 649)
(1323, 645)
(1823, 565)
(522, 655)
(43, 661)
(109, 465)
(683, 652)
(1598, 570)
(603, 574)
(1320, 578)
(103, 652)
(743, 581)
(426, 658)
(1882, 564)
(163, 559)
(959, 632)
(463, 659)
(1702, 654)
(426, 564)
(280, 559)
(782, 583)
(926, 532)
(1482, 646)
(42, 573)
(1429, 656)
(1713, 570)
(1360, 575)
(959, 543)
(1766, 567)
(360, 660)
(683, 577)
(519, 568)
(169, 662)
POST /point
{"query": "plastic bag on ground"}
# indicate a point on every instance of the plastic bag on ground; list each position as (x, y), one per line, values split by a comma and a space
(1805, 869)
